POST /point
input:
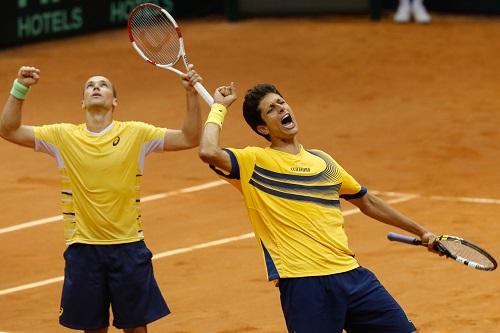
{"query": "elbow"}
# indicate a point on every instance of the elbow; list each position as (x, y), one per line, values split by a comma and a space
(8, 130)
(192, 144)
(195, 138)
(4, 132)
(207, 155)
(191, 141)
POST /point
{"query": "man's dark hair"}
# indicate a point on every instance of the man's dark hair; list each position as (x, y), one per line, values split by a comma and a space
(251, 103)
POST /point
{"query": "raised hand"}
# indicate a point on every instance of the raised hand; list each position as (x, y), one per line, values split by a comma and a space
(28, 75)
(190, 79)
(225, 95)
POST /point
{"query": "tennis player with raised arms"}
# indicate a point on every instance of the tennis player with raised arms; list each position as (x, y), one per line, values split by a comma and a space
(292, 196)
(101, 163)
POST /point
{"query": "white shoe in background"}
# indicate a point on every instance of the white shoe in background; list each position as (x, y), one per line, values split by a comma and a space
(403, 14)
(420, 14)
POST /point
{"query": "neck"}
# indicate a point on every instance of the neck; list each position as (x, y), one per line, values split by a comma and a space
(291, 147)
(96, 121)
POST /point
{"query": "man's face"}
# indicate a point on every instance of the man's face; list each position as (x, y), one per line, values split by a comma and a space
(98, 94)
(278, 117)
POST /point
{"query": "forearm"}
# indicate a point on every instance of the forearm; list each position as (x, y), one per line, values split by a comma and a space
(191, 127)
(210, 149)
(11, 118)
(210, 142)
(11, 127)
(378, 209)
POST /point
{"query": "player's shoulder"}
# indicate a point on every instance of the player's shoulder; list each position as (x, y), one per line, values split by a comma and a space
(255, 149)
(247, 150)
(323, 155)
(318, 152)
(61, 126)
(130, 123)
(50, 132)
(133, 124)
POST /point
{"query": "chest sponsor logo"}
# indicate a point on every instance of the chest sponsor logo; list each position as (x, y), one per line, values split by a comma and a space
(116, 141)
(300, 169)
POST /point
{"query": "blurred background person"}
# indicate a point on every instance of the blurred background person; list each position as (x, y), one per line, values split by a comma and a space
(412, 8)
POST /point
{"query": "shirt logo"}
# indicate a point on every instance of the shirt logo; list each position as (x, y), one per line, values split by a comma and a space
(300, 169)
(61, 310)
(116, 141)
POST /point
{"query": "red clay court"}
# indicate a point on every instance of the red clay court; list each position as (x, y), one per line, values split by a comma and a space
(411, 111)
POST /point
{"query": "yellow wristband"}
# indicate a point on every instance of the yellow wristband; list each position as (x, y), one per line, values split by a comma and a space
(217, 114)
(19, 90)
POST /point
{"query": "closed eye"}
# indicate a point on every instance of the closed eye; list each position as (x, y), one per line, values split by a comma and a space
(272, 107)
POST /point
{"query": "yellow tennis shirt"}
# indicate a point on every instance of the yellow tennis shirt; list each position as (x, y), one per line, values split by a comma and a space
(100, 177)
(294, 208)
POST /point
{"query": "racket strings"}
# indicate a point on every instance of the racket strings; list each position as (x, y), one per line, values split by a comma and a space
(464, 251)
(155, 35)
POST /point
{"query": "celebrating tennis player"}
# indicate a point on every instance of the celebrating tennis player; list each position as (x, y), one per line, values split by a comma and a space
(292, 198)
(101, 164)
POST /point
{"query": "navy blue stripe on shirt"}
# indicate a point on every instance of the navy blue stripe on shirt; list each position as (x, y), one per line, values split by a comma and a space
(297, 197)
(272, 271)
(293, 186)
(278, 175)
(235, 168)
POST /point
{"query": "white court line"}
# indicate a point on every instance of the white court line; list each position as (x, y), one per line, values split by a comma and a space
(182, 250)
(30, 224)
(490, 201)
(31, 285)
(144, 199)
(201, 246)
(466, 199)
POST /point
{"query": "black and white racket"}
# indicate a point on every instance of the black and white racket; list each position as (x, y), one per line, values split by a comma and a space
(456, 248)
(157, 38)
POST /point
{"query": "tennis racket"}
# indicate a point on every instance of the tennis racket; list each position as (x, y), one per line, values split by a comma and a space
(456, 248)
(157, 39)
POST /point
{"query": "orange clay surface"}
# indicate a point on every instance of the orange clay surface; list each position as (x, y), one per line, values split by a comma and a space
(410, 111)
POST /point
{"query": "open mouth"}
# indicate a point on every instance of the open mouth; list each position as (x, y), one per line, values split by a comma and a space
(287, 121)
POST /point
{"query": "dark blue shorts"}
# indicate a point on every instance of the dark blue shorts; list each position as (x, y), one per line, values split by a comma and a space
(354, 301)
(120, 275)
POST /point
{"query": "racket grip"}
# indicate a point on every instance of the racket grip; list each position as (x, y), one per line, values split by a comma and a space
(204, 93)
(392, 236)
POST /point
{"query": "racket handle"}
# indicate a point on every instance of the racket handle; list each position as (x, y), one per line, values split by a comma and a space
(204, 93)
(392, 236)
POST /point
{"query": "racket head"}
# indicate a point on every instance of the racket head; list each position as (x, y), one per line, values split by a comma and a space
(465, 252)
(155, 35)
